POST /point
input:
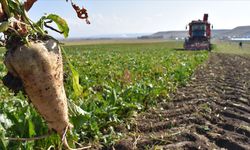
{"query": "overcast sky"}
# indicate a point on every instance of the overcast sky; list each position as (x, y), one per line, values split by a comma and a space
(144, 16)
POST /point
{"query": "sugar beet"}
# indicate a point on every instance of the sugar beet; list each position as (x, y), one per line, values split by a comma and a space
(39, 65)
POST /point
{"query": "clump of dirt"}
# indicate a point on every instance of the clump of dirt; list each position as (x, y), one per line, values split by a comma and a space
(211, 112)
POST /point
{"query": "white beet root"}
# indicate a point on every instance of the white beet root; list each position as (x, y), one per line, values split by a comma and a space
(40, 68)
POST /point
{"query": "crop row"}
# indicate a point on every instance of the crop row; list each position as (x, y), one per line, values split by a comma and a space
(117, 81)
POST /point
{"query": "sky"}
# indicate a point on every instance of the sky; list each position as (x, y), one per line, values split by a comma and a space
(110, 17)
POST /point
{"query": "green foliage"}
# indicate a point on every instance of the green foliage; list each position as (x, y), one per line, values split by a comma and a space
(60, 22)
(74, 76)
(117, 81)
(4, 26)
(15, 8)
(19, 119)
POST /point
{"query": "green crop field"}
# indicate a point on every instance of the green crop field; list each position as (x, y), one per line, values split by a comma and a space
(117, 82)
(232, 47)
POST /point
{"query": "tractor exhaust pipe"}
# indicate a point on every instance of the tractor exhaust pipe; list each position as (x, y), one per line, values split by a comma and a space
(205, 17)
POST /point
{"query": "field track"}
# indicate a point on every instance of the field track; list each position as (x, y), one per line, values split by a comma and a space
(211, 112)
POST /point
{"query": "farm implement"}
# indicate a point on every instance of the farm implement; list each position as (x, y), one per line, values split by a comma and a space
(199, 35)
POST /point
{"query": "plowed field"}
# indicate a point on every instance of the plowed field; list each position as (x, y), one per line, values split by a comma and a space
(211, 112)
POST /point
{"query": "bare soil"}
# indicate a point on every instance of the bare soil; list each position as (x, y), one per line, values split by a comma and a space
(211, 112)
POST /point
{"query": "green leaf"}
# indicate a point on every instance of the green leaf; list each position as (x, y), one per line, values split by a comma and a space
(78, 89)
(3, 142)
(114, 96)
(76, 110)
(61, 24)
(31, 129)
(15, 7)
(4, 26)
(40, 22)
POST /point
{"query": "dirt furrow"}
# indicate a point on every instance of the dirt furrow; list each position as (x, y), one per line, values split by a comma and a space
(211, 112)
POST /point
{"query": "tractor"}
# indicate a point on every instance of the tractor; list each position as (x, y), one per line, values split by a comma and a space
(199, 35)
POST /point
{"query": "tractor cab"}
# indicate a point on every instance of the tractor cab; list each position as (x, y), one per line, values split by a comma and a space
(199, 35)
(198, 29)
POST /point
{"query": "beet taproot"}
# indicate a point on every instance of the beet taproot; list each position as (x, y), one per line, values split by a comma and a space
(40, 67)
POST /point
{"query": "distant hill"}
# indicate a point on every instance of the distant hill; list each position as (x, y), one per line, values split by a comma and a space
(238, 32)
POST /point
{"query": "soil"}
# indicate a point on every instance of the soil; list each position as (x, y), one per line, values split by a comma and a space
(211, 112)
